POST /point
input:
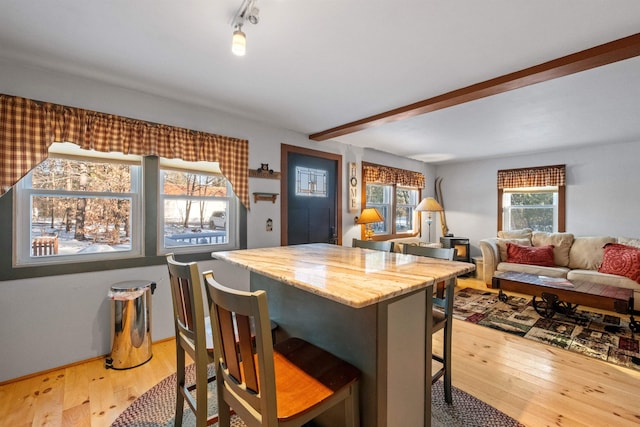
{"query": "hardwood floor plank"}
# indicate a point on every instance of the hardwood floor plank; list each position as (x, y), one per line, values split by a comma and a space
(76, 387)
(48, 405)
(77, 416)
(23, 399)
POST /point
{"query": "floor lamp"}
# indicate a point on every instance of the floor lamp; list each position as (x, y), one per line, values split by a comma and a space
(428, 205)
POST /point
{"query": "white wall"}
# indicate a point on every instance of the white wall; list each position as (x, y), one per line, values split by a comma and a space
(54, 321)
(602, 191)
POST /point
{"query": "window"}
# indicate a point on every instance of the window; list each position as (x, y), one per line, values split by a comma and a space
(78, 205)
(396, 204)
(197, 208)
(380, 197)
(395, 193)
(406, 202)
(535, 208)
(311, 182)
(114, 207)
(532, 198)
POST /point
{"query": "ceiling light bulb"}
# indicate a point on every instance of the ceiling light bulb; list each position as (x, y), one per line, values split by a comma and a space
(239, 43)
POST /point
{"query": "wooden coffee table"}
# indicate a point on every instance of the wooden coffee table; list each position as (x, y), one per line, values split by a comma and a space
(561, 295)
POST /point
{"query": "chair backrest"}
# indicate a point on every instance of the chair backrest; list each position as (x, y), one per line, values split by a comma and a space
(244, 355)
(188, 303)
(385, 246)
(440, 253)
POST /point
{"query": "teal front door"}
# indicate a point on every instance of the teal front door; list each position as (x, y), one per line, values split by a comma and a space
(311, 196)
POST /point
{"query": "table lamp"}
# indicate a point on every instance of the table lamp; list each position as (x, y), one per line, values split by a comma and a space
(368, 217)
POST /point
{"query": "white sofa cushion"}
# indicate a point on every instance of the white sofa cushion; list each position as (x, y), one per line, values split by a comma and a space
(586, 252)
(603, 279)
(525, 233)
(502, 246)
(561, 245)
(533, 269)
(629, 241)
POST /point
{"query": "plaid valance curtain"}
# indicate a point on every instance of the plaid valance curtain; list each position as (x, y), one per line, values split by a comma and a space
(28, 128)
(377, 174)
(543, 176)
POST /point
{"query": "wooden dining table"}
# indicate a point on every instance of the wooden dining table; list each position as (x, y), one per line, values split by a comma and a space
(371, 308)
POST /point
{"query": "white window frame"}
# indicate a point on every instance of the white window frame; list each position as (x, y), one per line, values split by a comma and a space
(390, 206)
(231, 200)
(22, 226)
(384, 208)
(411, 206)
(506, 206)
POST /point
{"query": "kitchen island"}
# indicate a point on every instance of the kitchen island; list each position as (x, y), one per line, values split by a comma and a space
(371, 308)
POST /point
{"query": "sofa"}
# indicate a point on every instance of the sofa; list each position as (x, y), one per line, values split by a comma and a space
(398, 243)
(606, 260)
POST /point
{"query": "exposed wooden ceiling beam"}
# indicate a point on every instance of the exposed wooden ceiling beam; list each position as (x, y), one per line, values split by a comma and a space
(617, 50)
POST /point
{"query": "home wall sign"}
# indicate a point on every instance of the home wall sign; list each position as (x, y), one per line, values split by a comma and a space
(353, 188)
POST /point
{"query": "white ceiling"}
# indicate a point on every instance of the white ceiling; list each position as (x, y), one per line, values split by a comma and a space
(312, 65)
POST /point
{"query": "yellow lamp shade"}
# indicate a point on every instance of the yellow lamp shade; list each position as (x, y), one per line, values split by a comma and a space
(370, 215)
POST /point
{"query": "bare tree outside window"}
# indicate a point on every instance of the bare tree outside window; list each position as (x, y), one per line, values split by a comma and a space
(196, 208)
(84, 205)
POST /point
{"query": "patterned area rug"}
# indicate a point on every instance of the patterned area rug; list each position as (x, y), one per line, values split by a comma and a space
(605, 337)
(155, 408)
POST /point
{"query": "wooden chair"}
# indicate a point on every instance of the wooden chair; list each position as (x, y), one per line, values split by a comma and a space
(441, 253)
(288, 384)
(193, 337)
(384, 246)
(442, 314)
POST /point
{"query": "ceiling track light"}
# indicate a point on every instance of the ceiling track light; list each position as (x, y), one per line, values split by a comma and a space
(248, 12)
(253, 15)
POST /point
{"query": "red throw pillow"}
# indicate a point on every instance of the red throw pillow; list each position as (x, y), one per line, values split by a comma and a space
(622, 260)
(534, 255)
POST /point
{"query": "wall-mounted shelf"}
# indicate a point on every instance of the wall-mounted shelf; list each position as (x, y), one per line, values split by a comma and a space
(254, 173)
(265, 197)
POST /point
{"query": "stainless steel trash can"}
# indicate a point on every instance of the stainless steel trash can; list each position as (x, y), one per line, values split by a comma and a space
(130, 324)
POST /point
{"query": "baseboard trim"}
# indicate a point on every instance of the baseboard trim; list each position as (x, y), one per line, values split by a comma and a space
(80, 362)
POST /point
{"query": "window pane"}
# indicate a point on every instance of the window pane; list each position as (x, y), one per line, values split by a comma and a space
(377, 194)
(531, 199)
(194, 222)
(530, 209)
(80, 225)
(536, 218)
(196, 209)
(79, 175)
(381, 227)
(192, 184)
(311, 182)
(78, 209)
(379, 197)
(406, 201)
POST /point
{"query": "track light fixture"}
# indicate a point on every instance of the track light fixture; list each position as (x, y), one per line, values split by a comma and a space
(252, 15)
(248, 12)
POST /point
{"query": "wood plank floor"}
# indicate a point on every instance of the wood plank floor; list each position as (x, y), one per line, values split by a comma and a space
(532, 382)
